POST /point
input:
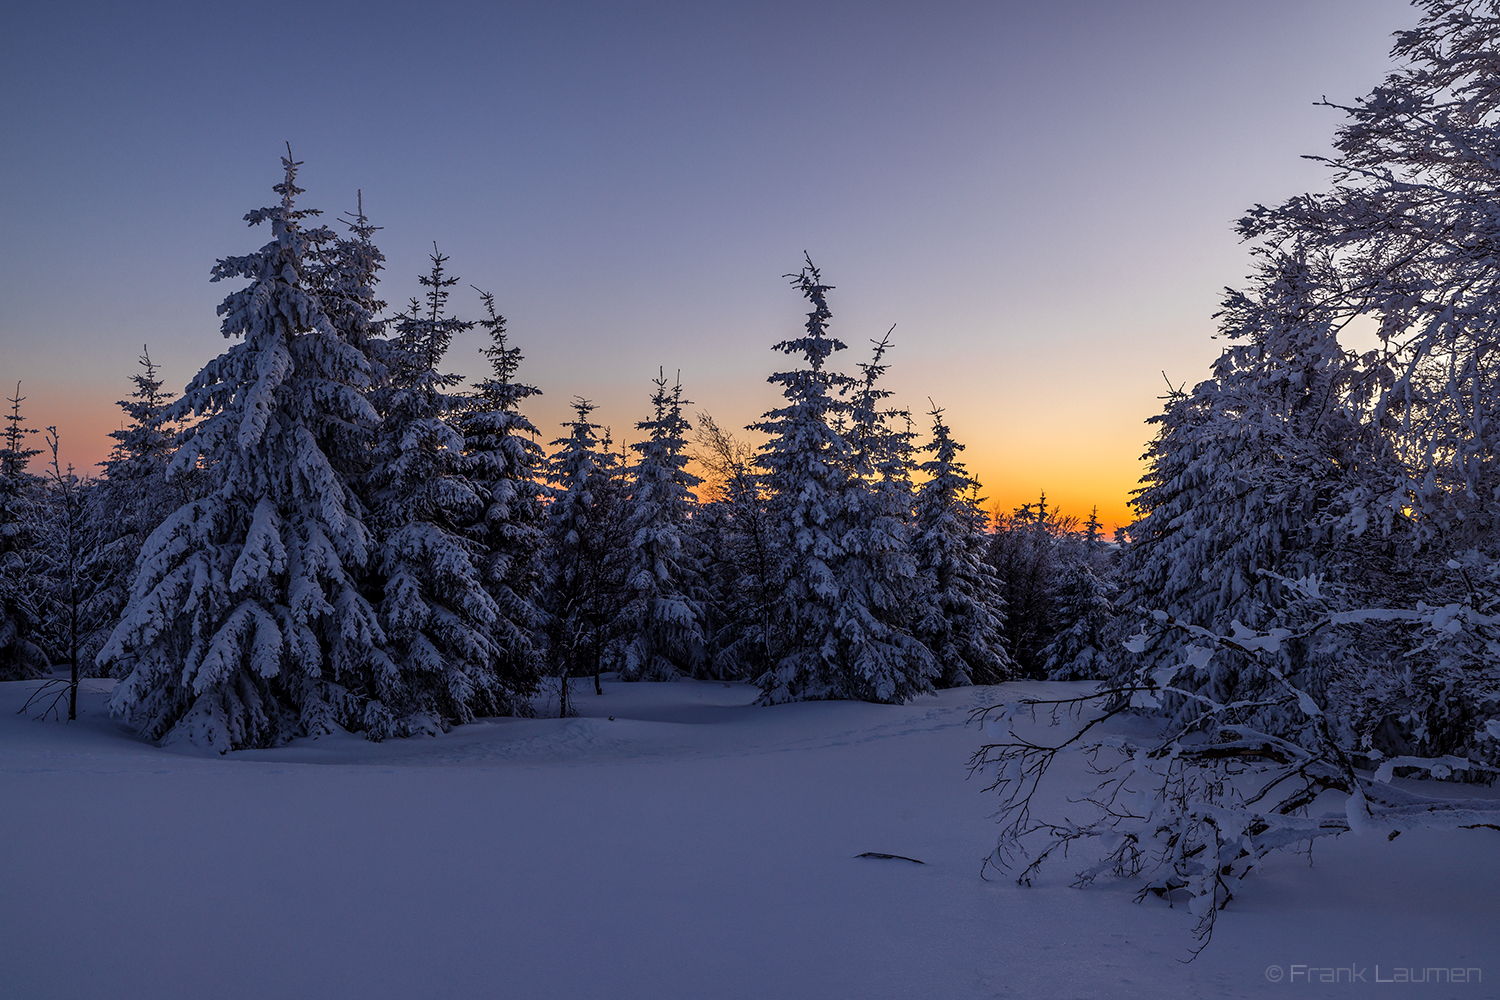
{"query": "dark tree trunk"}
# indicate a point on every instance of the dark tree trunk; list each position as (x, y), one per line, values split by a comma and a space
(73, 651)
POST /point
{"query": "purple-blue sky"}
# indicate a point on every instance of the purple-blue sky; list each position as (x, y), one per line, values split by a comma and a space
(1038, 195)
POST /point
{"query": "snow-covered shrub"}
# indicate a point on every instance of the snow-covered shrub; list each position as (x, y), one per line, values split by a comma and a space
(1195, 808)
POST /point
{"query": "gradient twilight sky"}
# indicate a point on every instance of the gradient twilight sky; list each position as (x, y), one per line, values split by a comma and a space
(1039, 195)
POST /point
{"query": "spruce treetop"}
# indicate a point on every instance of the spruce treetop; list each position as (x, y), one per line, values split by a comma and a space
(14, 457)
(424, 332)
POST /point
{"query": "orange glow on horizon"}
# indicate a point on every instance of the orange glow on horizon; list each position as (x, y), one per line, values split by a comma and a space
(1009, 475)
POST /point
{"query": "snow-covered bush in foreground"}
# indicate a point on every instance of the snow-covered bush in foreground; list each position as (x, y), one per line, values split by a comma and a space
(1193, 809)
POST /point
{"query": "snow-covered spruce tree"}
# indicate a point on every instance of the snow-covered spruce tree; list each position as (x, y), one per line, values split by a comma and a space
(65, 539)
(1095, 548)
(436, 612)
(131, 499)
(581, 595)
(343, 272)
(1083, 609)
(806, 463)
(1407, 224)
(964, 623)
(1026, 552)
(505, 462)
(884, 594)
(246, 625)
(1323, 526)
(661, 626)
(733, 527)
(20, 656)
(830, 640)
(1250, 477)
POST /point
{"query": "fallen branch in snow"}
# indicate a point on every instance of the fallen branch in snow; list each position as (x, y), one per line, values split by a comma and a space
(1194, 811)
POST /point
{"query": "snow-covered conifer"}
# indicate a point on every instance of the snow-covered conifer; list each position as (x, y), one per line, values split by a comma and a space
(436, 612)
(963, 623)
(1251, 475)
(661, 626)
(884, 595)
(246, 624)
(1082, 608)
(65, 540)
(580, 581)
(806, 463)
(1300, 459)
(735, 531)
(131, 499)
(1026, 553)
(1317, 538)
(829, 641)
(1084, 642)
(15, 456)
(20, 656)
(344, 272)
(1405, 229)
(505, 462)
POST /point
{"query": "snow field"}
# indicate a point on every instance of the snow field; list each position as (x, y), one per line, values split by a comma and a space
(695, 846)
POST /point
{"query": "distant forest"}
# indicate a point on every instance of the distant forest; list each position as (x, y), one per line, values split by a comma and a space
(327, 530)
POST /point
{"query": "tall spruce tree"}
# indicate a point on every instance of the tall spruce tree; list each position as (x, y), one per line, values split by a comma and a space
(830, 639)
(581, 569)
(806, 463)
(1250, 480)
(435, 610)
(20, 655)
(344, 272)
(885, 595)
(1083, 610)
(661, 625)
(1026, 553)
(963, 623)
(246, 623)
(131, 499)
(1406, 229)
(66, 538)
(506, 462)
(735, 528)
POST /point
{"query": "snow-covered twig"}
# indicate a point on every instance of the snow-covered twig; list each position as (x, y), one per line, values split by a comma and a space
(1195, 810)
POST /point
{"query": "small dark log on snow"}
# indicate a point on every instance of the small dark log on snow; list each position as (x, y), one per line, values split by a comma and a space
(889, 857)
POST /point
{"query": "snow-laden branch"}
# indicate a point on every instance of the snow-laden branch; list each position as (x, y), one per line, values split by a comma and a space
(1195, 810)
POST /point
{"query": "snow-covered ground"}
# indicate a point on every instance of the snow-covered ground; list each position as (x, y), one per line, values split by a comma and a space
(693, 845)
